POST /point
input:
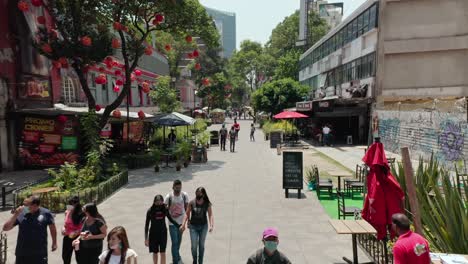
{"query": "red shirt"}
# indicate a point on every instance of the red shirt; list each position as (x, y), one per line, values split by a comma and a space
(236, 126)
(411, 248)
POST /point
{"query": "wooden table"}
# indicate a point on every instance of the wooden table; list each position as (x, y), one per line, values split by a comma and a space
(440, 262)
(45, 193)
(339, 174)
(353, 227)
(167, 155)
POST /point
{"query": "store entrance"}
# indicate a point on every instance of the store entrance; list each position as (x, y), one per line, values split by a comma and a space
(342, 127)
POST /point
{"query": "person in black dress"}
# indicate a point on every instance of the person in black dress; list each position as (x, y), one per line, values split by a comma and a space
(156, 223)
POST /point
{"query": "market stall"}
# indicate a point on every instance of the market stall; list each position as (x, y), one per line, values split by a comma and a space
(217, 116)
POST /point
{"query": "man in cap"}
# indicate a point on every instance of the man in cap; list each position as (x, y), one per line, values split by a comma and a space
(269, 254)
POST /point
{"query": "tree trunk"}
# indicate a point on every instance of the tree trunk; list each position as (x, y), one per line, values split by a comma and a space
(85, 87)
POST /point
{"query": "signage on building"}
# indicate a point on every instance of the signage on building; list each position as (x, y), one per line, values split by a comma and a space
(34, 88)
(325, 106)
(304, 106)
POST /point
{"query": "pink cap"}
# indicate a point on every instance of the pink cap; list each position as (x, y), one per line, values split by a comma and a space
(270, 232)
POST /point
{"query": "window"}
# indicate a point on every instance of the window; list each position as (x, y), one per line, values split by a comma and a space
(365, 21)
(68, 91)
(349, 37)
(373, 17)
(355, 29)
(359, 25)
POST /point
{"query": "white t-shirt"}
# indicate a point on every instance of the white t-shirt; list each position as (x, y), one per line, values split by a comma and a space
(114, 259)
(177, 208)
(326, 130)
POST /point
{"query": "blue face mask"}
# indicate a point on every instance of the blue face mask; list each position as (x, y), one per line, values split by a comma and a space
(26, 210)
(271, 245)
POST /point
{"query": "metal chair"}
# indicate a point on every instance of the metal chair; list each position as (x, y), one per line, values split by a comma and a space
(344, 210)
(359, 184)
(357, 173)
(323, 184)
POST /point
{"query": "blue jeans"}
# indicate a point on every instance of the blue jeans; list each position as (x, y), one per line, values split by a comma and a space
(176, 238)
(198, 237)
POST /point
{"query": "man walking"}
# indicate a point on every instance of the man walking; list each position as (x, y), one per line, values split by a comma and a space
(269, 253)
(177, 203)
(223, 135)
(326, 135)
(237, 128)
(32, 221)
(232, 139)
(410, 248)
(252, 132)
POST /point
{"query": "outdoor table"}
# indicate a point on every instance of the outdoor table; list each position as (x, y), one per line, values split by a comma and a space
(44, 192)
(167, 155)
(353, 227)
(437, 256)
(339, 174)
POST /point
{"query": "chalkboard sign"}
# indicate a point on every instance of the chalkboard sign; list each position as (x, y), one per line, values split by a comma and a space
(292, 171)
(275, 138)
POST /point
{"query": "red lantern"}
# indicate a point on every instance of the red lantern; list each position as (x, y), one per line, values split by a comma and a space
(41, 20)
(98, 108)
(141, 114)
(86, 41)
(101, 69)
(108, 60)
(158, 19)
(116, 114)
(101, 79)
(36, 3)
(46, 48)
(167, 47)
(119, 82)
(137, 72)
(195, 53)
(146, 89)
(188, 39)
(62, 119)
(56, 64)
(118, 72)
(132, 77)
(116, 89)
(190, 56)
(117, 26)
(206, 82)
(23, 6)
(148, 51)
(115, 43)
(197, 66)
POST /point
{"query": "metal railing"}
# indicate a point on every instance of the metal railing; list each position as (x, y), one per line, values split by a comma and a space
(3, 248)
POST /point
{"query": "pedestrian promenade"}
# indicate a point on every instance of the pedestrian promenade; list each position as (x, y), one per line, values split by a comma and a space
(247, 195)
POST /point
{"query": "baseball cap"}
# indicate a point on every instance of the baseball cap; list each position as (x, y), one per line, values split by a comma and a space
(270, 232)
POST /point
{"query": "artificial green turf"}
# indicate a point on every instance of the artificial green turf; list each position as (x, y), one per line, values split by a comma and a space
(330, 204)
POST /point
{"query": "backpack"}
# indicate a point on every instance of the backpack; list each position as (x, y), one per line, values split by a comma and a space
(223, 132)
(184, 197)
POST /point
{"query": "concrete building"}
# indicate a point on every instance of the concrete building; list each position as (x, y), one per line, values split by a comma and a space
(226, 24)
(407, 61)
(422, 83)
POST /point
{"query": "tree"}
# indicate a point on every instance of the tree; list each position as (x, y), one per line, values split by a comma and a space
(88, 32)
(165, 97)
(277, 95)
(217, 91)
(287, 65)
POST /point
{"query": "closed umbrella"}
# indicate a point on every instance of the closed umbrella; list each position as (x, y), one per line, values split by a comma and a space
(384, 194)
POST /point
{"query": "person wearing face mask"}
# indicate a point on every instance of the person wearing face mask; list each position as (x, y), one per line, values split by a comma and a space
(269, 254)
(74, 217)
(176, 202)
(156, 224)
(196, 215)
(89, 244)
(118, 249)
(32, 221)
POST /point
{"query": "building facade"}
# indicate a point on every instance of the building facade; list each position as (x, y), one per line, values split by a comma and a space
(340, 71)
(226, 24)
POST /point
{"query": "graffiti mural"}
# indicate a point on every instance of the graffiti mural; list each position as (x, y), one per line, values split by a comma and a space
(445, 135)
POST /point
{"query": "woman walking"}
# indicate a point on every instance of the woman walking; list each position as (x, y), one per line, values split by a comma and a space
(196, 215)
(118, 249)
(156, 224)
(89, 243)
(74, 217)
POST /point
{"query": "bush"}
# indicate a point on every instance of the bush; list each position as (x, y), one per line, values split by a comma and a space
(282, 125)
(204, 138)
(201, 124)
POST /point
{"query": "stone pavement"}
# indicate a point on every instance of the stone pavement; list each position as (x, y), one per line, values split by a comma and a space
(245, 188)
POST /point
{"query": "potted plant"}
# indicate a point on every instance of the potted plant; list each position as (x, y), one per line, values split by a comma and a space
(178, 156)
(184, 150)
(310, 177)
(156, 153)
(204, 138)
(266, 130)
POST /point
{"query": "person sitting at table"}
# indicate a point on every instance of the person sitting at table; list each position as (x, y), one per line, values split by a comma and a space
(172, 137)
(410, 248)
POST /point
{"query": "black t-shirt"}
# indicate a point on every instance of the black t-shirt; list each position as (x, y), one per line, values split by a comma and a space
(94, 229)
(157, 218)
(260, 257)
(32, 233)
(223, 132)
(198, 213)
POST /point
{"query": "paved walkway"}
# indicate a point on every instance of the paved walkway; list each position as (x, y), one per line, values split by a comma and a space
(247, 196)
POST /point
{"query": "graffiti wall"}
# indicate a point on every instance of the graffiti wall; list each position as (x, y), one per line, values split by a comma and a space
(425, 132)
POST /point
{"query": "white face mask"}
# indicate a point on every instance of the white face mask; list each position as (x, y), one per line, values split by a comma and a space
(116, 246)
(70, 207)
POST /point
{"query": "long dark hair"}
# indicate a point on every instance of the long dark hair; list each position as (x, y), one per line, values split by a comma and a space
(92, 210)
(206, 199)
(122, 235)
(77, 214)
(153, 207)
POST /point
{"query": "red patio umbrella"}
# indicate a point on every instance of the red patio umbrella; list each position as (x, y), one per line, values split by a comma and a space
(289, 115)
(384, 194)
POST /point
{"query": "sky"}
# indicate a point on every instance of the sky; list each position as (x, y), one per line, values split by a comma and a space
(257, 18)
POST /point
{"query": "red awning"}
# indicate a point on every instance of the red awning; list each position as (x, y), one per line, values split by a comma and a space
(289, 115)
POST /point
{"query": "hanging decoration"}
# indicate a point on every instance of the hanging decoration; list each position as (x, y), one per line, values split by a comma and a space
(132, 77)
(190, 56)
(118, 72)
(137, 72)
(195, 53)
(117, 25)
(101, 79)
(116, 113)
(115, 43)
(145, 87)
(101, 69)
(46, 48)
(197, 66)
(23, 6)
(168, 47)
(62, 119)
(158, 19)
(98, 108)
(36, 3)
(206, 81)
(86, 41)
(148, 50)
(41, 20)
(119, 82)
(116, 89)
(141, 114)
(189, 39)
